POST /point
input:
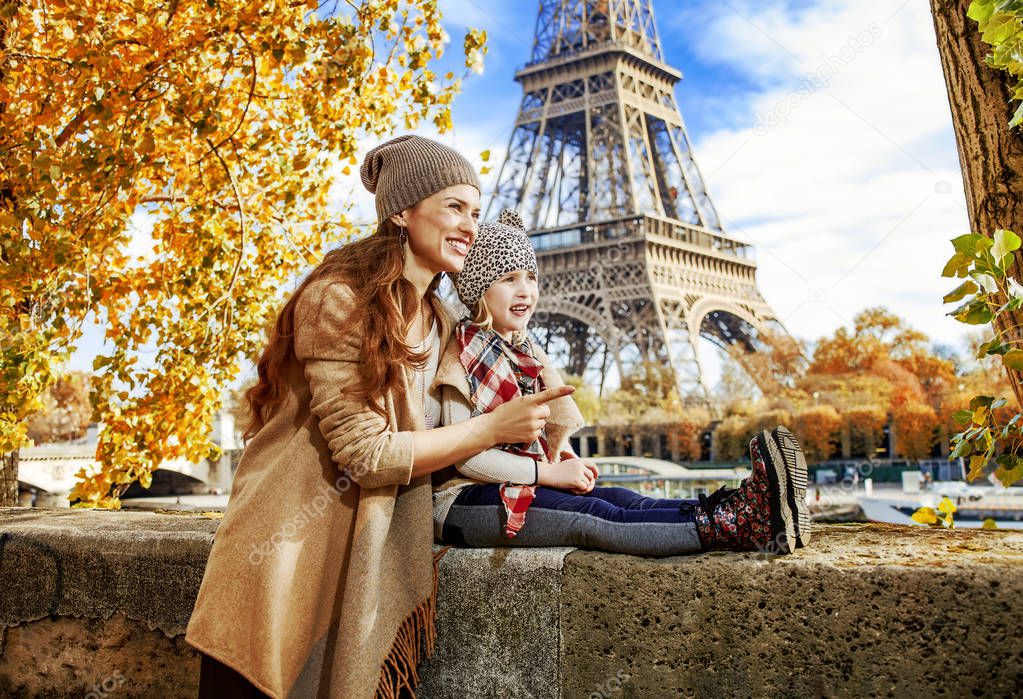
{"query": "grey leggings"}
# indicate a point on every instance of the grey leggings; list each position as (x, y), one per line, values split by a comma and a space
(609, 519)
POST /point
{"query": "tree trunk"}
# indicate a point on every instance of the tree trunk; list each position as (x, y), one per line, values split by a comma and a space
(990, 155)
(9, 479)
(8, 462)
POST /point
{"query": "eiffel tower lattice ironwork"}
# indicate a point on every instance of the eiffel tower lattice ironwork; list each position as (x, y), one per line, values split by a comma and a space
(635, 265)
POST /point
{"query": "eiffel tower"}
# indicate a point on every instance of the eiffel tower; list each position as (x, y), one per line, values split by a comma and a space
(635, 265)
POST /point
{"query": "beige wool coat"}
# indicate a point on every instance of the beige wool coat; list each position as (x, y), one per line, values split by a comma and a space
(321, 581)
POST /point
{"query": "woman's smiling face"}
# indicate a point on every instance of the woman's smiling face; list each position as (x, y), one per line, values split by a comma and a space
(442, 227)
(511, 300)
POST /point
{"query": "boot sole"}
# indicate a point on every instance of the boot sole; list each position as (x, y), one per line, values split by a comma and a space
(795, 467)
(781, 512)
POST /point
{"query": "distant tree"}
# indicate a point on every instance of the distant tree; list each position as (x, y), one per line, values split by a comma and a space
(817, 429)
(585, 398)
(866, 428)
(915, 424)
(735, 384)
(645, 396)
(687, 433)
(238, 408)
(729, 439)
(66, 410)
(767, 420)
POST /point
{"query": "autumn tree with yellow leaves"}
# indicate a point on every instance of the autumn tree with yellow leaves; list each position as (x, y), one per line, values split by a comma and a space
(222, 123)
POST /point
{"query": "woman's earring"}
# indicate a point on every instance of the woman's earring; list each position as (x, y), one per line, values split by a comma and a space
(402, 238)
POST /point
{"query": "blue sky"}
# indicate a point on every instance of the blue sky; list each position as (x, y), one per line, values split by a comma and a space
(822, 129)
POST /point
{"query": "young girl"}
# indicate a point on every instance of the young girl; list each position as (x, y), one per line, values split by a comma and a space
(542, 494)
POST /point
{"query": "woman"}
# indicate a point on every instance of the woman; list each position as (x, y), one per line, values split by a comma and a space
(321, 579)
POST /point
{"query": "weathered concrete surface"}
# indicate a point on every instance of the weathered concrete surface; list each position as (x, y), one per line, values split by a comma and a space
(90, 657)
(866, 610)
(99, 599)
(93, 603)
(498, 624)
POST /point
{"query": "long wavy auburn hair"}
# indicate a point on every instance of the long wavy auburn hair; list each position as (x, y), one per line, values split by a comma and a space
(385, 305)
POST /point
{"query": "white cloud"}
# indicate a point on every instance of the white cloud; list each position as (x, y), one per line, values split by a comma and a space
(854, 188)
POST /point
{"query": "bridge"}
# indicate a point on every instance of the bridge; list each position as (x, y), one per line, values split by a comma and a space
(46, 473)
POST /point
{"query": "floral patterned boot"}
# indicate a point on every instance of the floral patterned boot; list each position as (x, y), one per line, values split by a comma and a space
(756, 516)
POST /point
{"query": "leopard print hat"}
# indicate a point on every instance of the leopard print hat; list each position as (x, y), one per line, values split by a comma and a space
(500, 247)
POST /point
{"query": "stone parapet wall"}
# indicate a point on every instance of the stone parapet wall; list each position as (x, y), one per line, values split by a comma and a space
(95, 604)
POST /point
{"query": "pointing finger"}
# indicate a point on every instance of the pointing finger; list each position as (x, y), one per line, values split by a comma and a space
(547, 395)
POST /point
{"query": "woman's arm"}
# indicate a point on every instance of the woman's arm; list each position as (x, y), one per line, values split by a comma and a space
(360, 440)
(490, 465)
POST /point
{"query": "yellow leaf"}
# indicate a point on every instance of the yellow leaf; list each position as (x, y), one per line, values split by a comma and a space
(977, 462)
(925, 515)
(989, 524)
(485, 155)
(946, 506)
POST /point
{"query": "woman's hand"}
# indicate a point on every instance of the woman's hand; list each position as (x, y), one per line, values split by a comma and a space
(575, 475)
(522, 419)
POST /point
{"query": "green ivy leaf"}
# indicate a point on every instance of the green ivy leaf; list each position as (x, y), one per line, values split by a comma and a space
(963, 448)
(985, 281)
(975, 312)
(1013, 359)
(981, 10)
(999, 28)
(961, 291)
(1017, 118)
(994, 346)
(957, 266)
(963, 417)
(966, 244)
(1005, 243)
(978, 401)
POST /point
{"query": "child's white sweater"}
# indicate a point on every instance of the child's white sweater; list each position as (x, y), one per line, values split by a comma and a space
(493, 465)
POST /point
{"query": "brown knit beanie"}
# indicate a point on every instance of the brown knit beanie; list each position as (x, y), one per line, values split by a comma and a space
(405, 170)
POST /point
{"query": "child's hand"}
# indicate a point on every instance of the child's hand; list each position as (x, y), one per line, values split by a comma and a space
(522, 419)
(575, 475)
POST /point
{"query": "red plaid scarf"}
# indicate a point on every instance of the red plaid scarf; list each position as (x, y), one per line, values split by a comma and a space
(498, 371)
